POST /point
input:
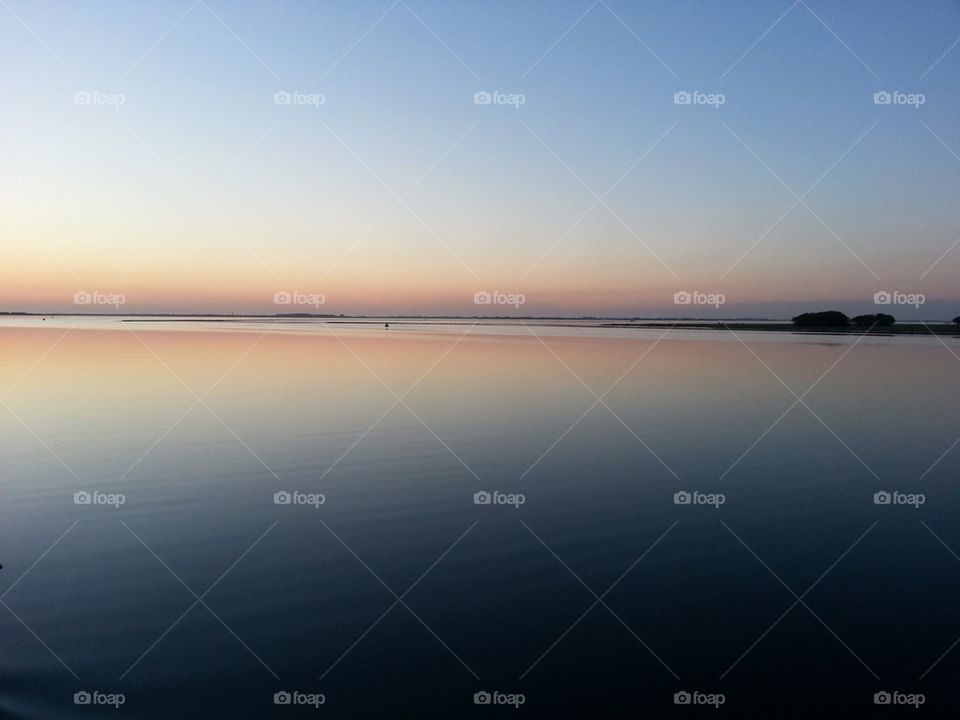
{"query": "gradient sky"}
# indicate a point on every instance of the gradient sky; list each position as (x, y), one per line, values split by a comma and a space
(200, 193)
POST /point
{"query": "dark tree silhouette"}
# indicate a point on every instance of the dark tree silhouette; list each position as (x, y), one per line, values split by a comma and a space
(956, 320)
(828, 318)
(879, 319)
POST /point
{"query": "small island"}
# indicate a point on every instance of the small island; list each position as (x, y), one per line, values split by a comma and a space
(822, 322)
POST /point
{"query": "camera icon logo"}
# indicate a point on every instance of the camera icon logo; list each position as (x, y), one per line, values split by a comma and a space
(682, 98)
(882, 498)
(882, 298)
(882, 698)
(482, 297)
(682, 298)
(282, 498)
(282, 97)
(682, 498)
(482, 98)
(682, 698)
(282, 297)
(482, 698)
(482, 498)
(82, 698)
(282, 698)
(82, 497)
(882, 97)
(82, 298)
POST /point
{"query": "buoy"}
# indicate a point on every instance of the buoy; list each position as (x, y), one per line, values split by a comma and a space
(386, 325)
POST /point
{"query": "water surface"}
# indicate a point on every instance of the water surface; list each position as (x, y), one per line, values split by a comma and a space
(199, 425)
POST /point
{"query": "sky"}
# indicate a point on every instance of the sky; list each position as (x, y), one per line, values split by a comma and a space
(400, 157)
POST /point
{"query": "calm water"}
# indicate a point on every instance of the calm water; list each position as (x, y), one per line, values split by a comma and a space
(198, 425)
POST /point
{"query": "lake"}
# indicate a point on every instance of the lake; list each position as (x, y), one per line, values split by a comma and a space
(257, 519)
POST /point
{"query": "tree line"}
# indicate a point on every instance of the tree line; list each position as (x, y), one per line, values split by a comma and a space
(835, 318)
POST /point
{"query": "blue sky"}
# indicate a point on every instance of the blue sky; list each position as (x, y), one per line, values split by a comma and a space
(199, 192)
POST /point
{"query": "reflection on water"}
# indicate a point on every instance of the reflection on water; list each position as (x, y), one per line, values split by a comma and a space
(198, 596)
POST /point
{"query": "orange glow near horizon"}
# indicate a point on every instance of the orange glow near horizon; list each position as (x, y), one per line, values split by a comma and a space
(36, 282)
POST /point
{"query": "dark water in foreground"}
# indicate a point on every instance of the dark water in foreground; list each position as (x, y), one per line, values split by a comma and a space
(398, 596)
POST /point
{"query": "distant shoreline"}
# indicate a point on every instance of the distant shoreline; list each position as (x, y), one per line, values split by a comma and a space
(937, 328)
(918, 328)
